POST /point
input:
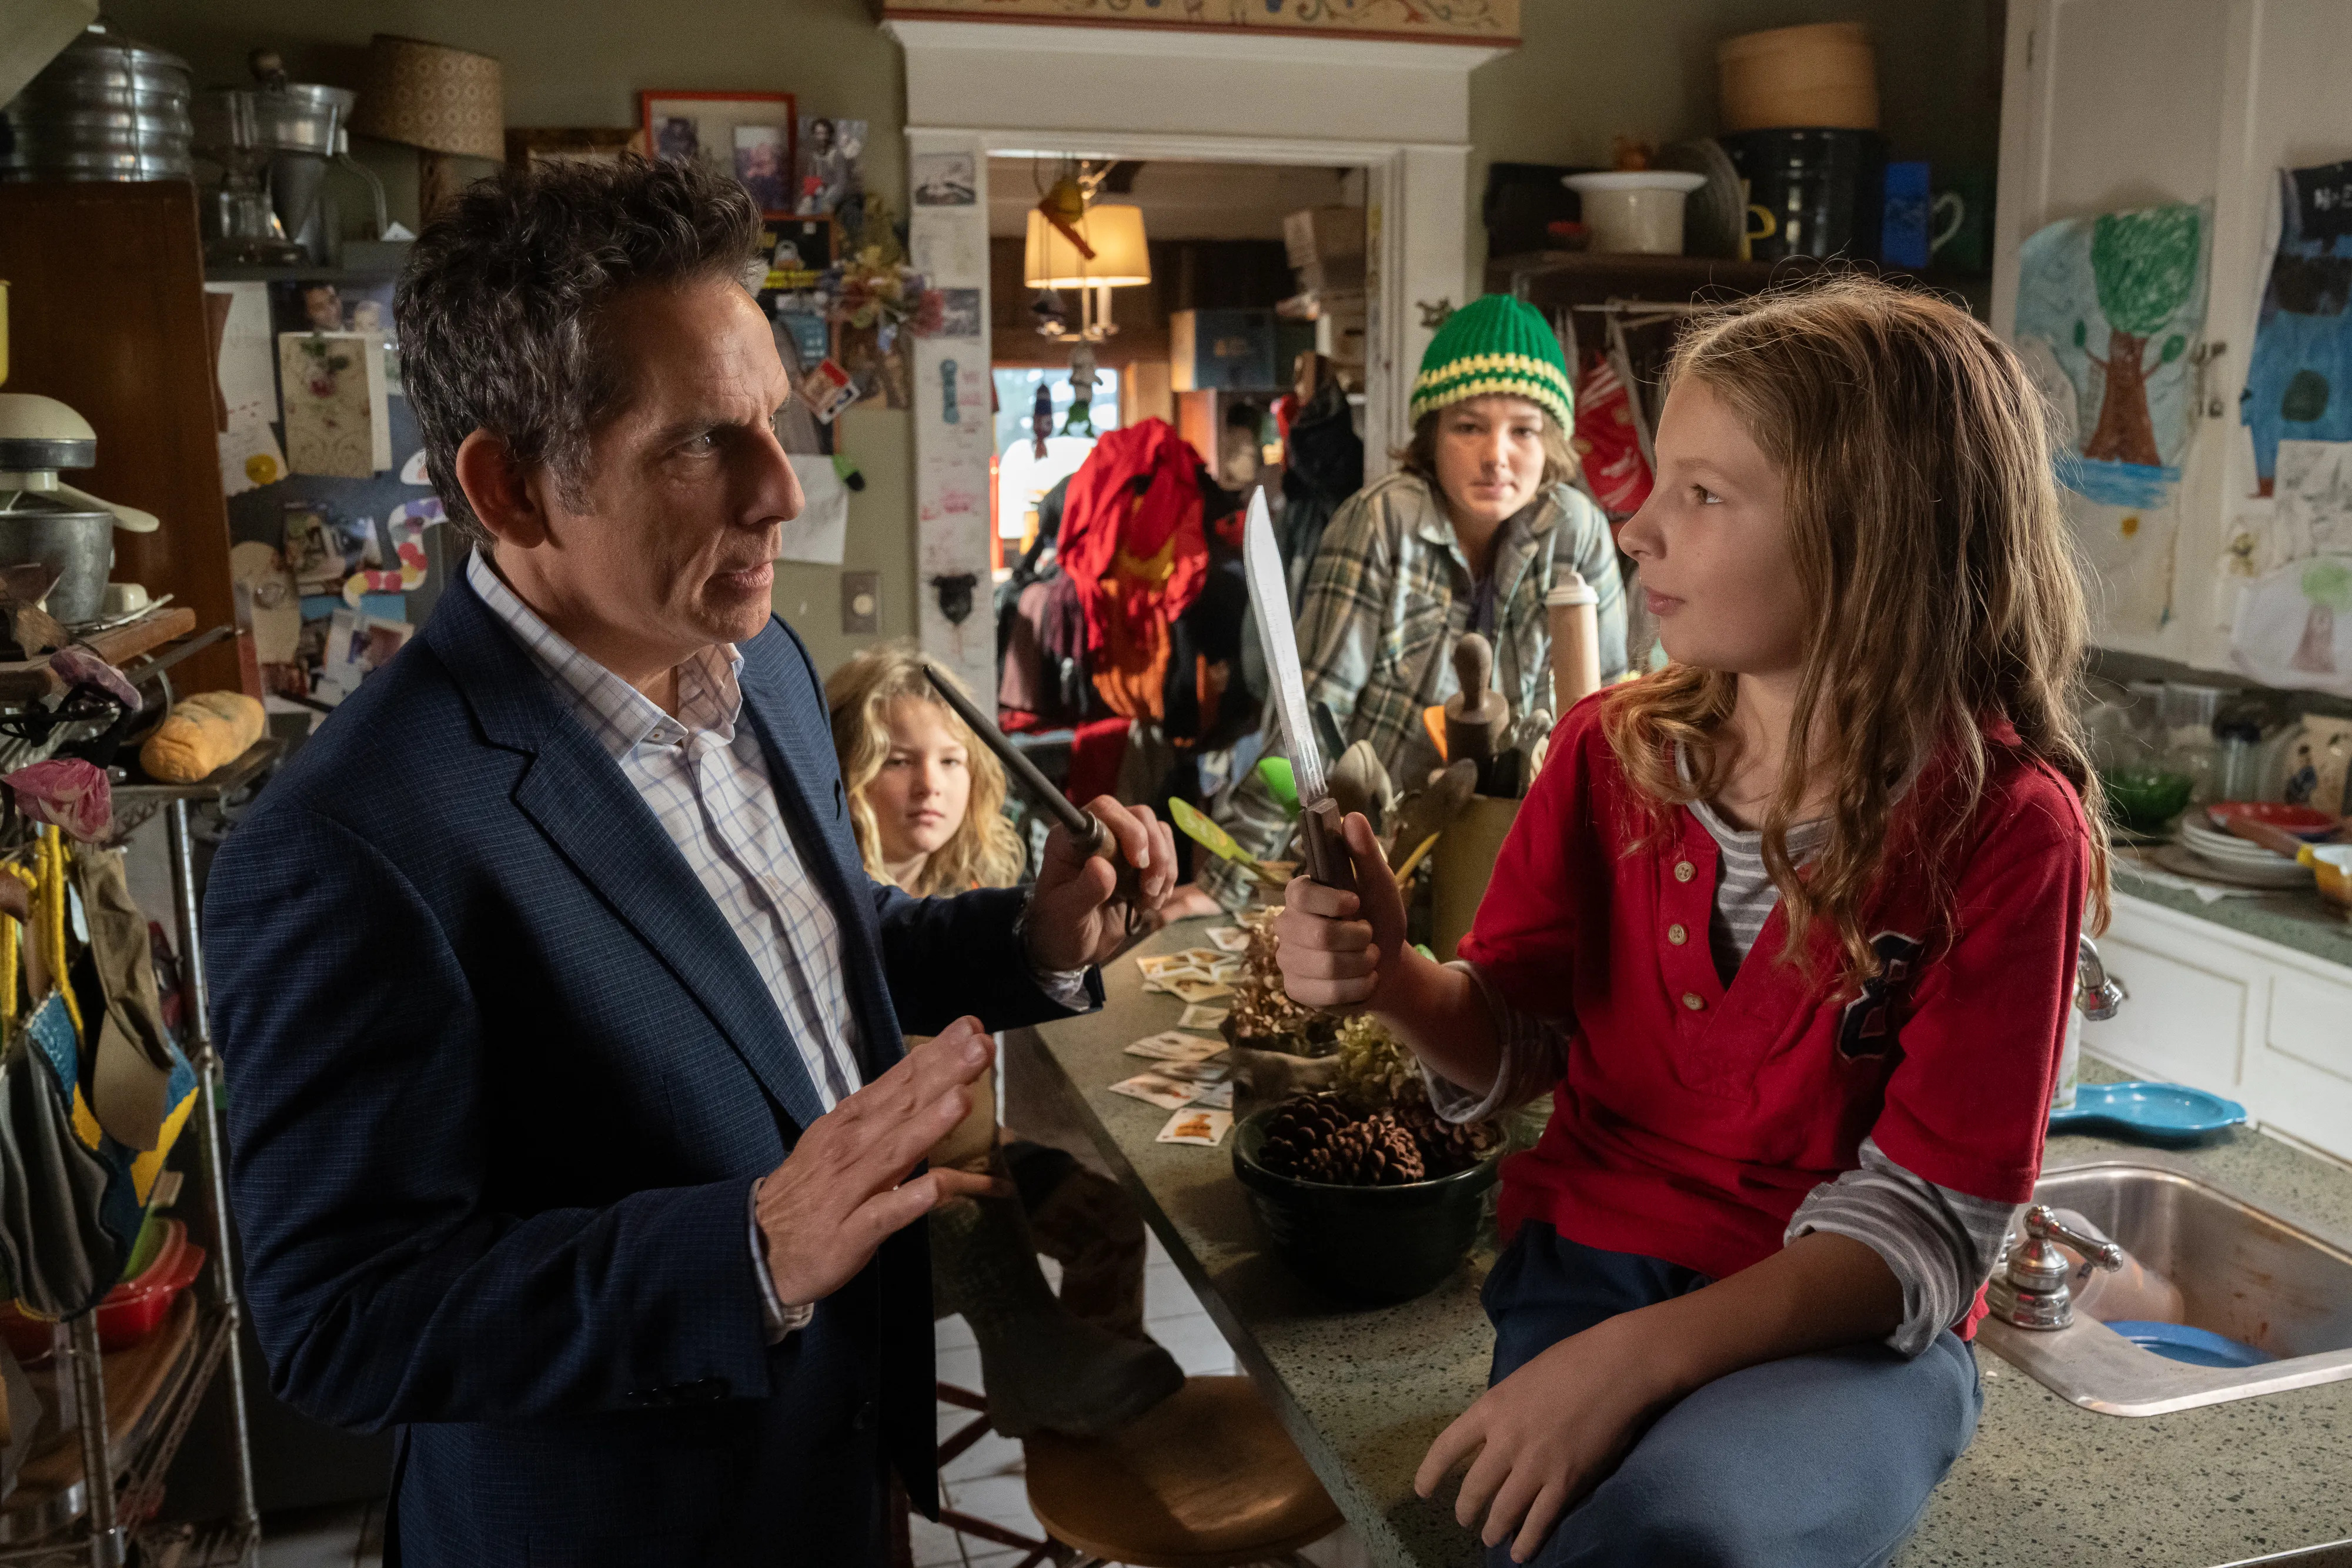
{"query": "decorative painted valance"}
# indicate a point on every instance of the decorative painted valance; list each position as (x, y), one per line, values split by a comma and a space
(1488, 22)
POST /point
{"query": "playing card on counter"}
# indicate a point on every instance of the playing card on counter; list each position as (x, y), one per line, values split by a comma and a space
(1196, 1125)
(1169, 1045)
(1230, 939)
(1154, 964)
(1227, 970)
(1199, 990)
(1193, 1072)
(1201, 1016)
(1215, 1096)
(1155, 1090)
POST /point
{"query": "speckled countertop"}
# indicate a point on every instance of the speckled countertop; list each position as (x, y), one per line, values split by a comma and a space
(2045, 1485)
(2302, 920)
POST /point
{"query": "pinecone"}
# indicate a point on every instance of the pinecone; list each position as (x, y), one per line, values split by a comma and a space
(1298, 1130)
(1313, 1138)
(1445, 1147)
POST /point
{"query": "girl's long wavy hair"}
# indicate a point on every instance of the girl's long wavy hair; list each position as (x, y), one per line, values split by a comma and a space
(985, 851)
(1939, 583)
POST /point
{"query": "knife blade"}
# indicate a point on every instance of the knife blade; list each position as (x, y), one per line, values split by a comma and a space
(1326, 849)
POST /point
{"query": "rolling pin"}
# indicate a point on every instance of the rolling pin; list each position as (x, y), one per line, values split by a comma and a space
(1477, 718)
(1573, 610)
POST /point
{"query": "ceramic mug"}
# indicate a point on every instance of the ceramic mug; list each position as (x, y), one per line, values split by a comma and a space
(1958, 205)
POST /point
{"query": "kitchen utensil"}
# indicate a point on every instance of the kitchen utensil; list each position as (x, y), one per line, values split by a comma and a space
(1823, 74)
(1637, 212)
(1320, 838)
(1461, 865)
(2278, 841)
(1424, 814)
(1368, 1244)
(273, 142)
(2149, 1112)
(1477, 718)
(1573, 610)
(1093, 837)
(44, 519)
(1823, 188)
(107, 108)
(2305, 823)
(1359, 783)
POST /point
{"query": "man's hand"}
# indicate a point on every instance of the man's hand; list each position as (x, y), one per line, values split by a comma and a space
(1339, 951)
(825, 1211)
(1547, 1435)
(1072, 922)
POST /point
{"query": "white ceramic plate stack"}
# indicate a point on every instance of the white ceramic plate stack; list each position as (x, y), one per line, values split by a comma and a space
(2225, 857)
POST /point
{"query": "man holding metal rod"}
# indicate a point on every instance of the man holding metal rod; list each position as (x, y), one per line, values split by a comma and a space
(570, 1129)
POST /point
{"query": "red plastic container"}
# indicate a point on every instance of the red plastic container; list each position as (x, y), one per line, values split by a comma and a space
(130, 1312)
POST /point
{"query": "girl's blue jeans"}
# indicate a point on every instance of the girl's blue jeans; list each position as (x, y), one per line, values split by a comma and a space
(1818, 1462)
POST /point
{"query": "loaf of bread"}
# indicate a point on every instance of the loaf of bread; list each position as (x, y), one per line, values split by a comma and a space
(202, 734)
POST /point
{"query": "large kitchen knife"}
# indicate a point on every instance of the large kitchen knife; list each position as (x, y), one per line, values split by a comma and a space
(1323, 846)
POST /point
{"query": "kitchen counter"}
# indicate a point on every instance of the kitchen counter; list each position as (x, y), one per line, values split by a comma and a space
(1364, 1392)
(2302, 920)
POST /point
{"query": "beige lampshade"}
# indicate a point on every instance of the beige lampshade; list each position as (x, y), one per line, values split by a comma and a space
(1114, 230)
(431, 96)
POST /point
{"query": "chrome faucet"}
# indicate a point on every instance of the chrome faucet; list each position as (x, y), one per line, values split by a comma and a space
(2097, 995)
(2030, 1288)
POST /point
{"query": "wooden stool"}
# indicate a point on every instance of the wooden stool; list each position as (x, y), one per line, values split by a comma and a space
(1206, 1480)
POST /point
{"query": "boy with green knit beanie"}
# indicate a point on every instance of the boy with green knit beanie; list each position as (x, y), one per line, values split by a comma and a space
(1464, 537)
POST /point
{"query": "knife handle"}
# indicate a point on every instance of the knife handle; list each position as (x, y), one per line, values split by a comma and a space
(1325, 840)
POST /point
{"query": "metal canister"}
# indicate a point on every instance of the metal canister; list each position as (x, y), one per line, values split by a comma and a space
(107, 108)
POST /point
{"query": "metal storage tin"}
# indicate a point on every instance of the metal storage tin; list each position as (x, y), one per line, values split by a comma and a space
(106, 109)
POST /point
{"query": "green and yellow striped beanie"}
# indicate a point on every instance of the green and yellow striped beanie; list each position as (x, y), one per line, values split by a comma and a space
(1495, 344)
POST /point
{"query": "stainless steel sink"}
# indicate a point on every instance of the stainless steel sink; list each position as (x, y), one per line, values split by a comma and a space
(2242, 1273)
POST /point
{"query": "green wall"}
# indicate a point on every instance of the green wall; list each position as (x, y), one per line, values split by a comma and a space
(1589, 69)
(581, 64)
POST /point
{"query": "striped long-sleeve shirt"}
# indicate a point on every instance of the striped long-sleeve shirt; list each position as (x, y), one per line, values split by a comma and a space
(1389, 595)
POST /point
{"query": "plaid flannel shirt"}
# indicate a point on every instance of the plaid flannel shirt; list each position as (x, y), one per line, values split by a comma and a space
(1388, 596)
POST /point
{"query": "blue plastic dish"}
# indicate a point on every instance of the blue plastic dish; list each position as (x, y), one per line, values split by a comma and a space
(2193, 1346)
(2150, 1113)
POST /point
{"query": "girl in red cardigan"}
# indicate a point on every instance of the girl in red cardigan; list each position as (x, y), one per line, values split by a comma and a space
(1787, 929)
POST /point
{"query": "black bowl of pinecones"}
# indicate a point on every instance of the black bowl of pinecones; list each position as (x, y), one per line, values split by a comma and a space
(1373, 1207)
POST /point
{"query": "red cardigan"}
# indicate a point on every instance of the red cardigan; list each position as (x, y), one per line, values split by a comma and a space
(1694, 1118)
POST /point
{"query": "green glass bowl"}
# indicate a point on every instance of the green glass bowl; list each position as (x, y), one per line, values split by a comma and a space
(1369, 1245)
(2146, 799)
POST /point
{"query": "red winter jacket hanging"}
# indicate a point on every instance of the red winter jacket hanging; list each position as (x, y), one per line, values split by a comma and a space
(1131, 543)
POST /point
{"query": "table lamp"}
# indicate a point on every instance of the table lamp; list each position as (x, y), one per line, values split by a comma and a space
(444, 102)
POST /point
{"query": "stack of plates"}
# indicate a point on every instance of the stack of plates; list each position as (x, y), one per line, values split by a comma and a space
(2228, 857)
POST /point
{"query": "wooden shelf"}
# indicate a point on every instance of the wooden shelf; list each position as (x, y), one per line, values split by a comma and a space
(1554, 280)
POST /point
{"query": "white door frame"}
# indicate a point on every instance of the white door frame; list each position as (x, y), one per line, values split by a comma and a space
(1398, 111)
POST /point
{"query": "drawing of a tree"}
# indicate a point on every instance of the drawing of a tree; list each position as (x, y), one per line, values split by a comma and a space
(2144, 264)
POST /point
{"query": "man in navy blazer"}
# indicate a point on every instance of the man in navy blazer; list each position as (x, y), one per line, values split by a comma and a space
(570, 1131)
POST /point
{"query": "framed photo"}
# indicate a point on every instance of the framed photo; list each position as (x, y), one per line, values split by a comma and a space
(530, 145)
(746, 135)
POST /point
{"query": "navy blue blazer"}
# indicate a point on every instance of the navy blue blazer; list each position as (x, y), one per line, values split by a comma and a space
(499, 1076)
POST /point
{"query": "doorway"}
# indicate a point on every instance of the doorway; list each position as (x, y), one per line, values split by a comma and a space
(1255, 288)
